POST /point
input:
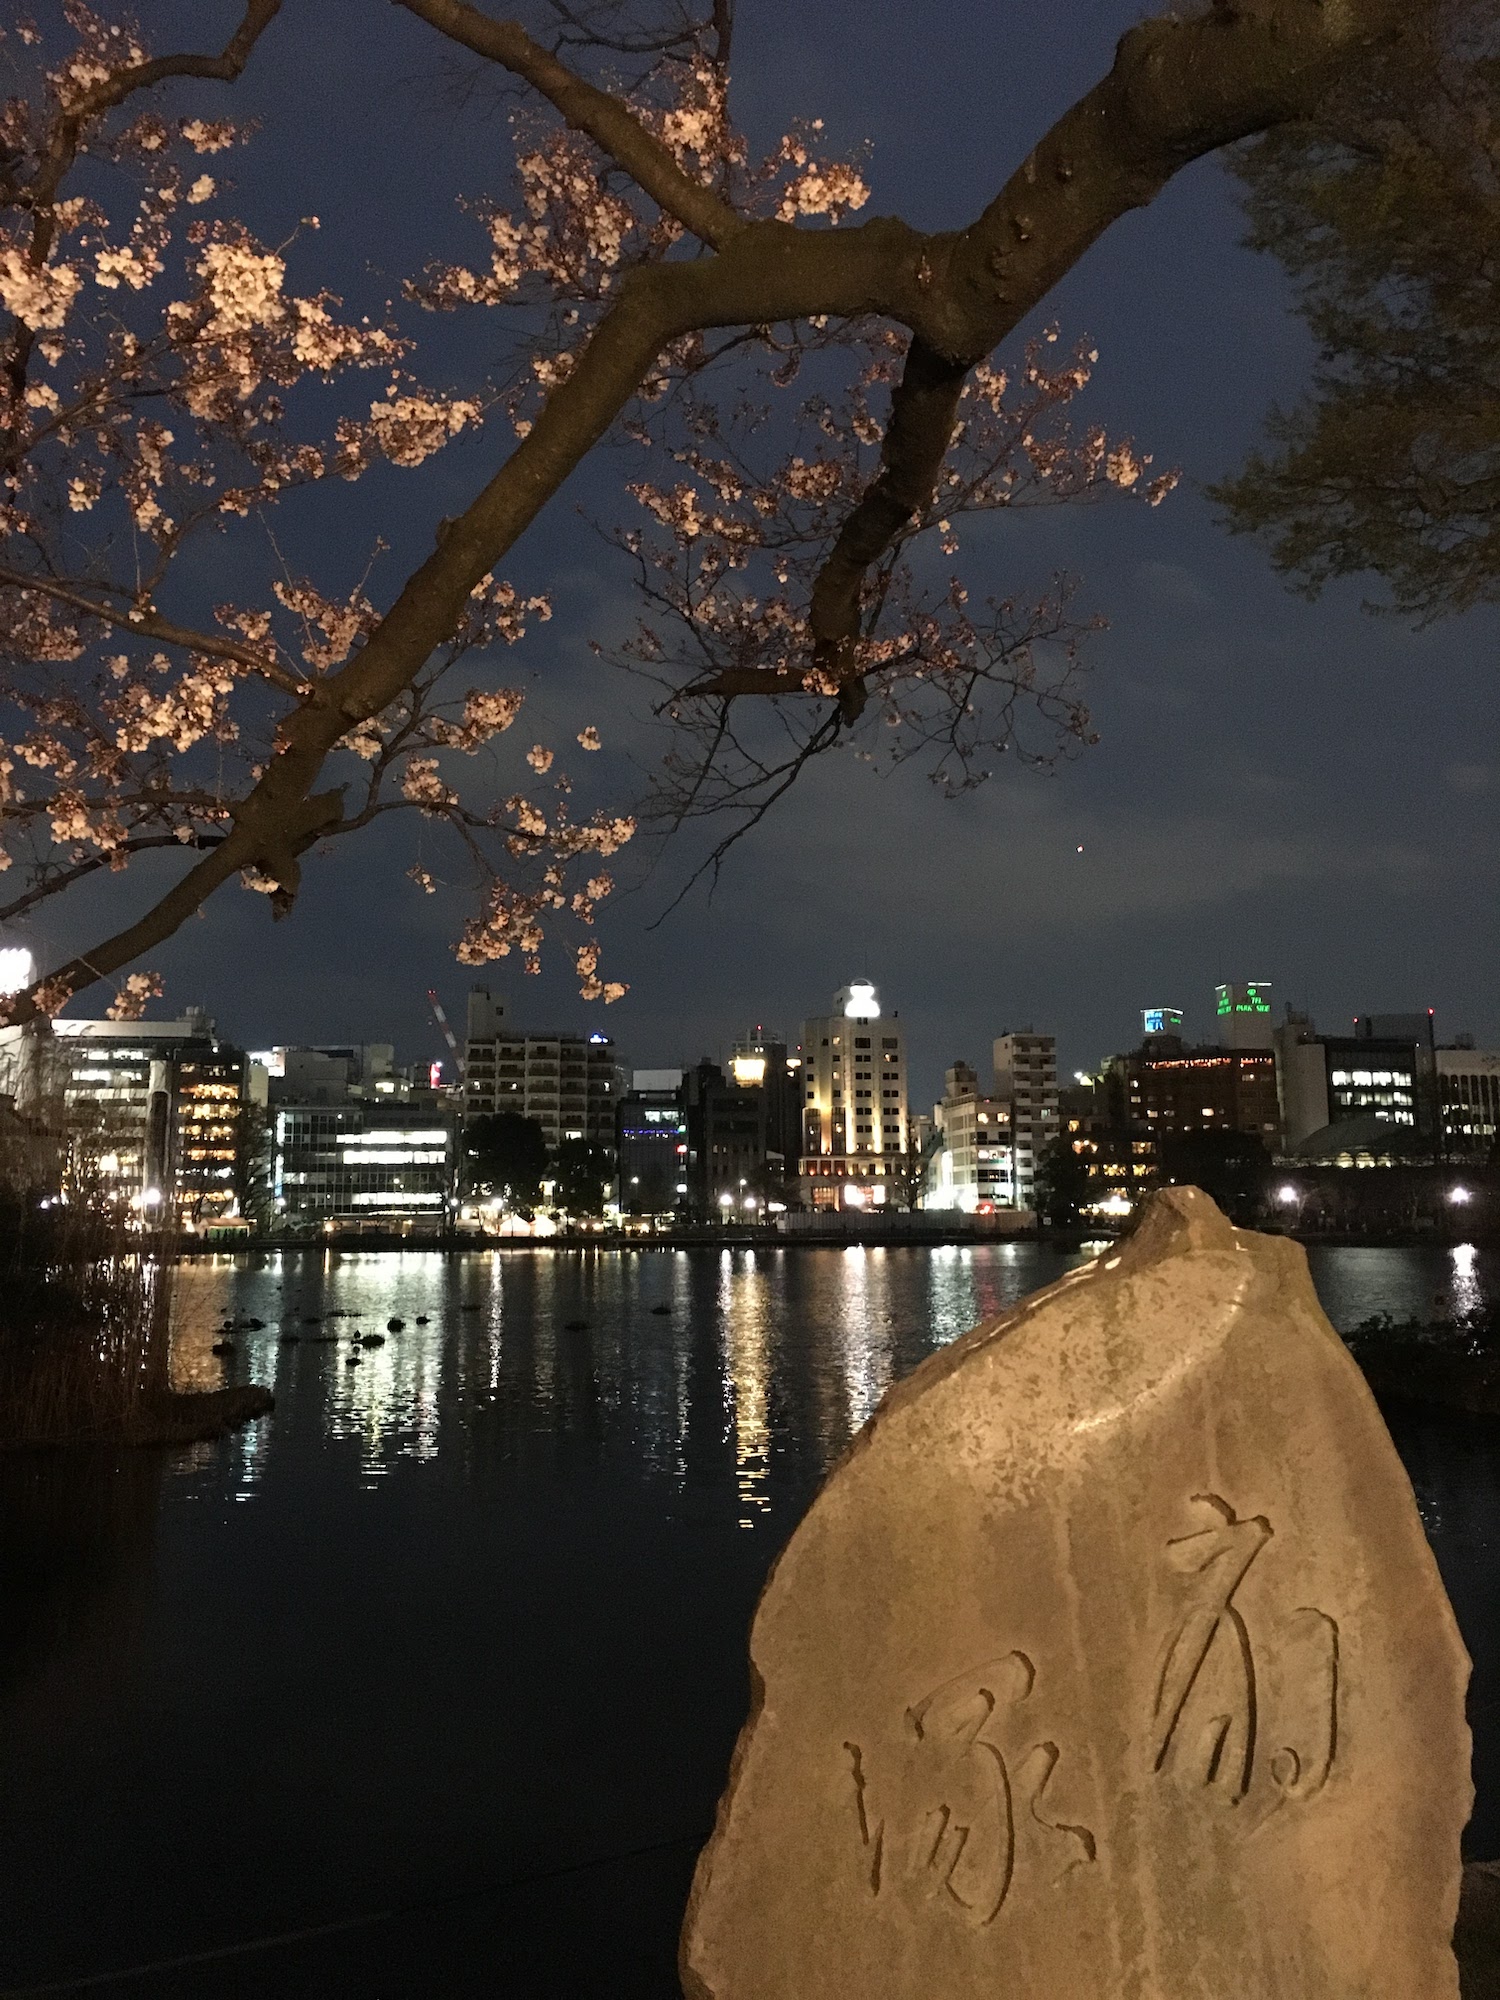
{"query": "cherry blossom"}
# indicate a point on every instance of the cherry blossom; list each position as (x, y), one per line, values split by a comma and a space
(183, 399)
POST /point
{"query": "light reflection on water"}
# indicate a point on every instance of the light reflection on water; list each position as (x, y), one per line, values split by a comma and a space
(479, 1603)
(803, 1343)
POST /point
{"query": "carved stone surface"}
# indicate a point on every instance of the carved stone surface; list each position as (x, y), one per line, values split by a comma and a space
(1111, 1661)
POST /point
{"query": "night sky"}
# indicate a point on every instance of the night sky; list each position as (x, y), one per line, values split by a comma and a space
(1283, 791)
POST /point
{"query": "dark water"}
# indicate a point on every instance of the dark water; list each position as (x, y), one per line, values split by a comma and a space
(427, 1685)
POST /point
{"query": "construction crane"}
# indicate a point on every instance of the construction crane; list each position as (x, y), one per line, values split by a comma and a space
(448, 1035)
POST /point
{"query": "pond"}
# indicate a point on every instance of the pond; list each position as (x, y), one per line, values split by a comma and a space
(427, 1684)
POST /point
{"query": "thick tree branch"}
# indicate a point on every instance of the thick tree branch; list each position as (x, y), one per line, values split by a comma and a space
(606, 120)
(1177, 90)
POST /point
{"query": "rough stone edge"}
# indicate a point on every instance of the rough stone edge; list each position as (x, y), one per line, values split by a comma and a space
(1176, 1219)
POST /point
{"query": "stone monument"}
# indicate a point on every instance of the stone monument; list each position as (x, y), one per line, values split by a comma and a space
(1111, 1663)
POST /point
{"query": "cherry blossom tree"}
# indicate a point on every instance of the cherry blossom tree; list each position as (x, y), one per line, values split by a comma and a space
(813, 400)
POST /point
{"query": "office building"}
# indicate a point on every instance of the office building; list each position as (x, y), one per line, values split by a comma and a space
(161, 1114)
(854, 1116)
(364, 1165)
(333, 1073)
(567, 1082)
(1026, 1080)
(973, 1166)
(764, 1062)
(1171, 1089)
(1119, 1157)
(729, 1171)
(1363, 1099)
(1469, 1090)
(651, 1143)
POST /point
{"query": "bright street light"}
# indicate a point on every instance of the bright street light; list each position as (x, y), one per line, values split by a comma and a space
(1459, 1195)
(1287, 1193)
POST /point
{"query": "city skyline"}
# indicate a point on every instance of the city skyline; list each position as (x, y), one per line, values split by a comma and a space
(1280, 785)
(928, 1058)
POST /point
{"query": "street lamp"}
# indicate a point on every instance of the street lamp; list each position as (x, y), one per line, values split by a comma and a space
(1459, 1196)
(1286, 1193)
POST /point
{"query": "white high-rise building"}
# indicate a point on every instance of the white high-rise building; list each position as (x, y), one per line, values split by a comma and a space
(1026, 1080)
(854, 1122)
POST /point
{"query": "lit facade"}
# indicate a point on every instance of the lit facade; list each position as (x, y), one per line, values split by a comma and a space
(651, 1142)
(973, 1166)
(568, 1083)
(1119, 1158)
(370, 1165)
(1363, 1099)
(1179, 1090)
(854, 1109)
(157, 1113)
(1469, 1087)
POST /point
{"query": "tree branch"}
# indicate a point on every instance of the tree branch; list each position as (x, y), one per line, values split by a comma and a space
(1176, 91)
(150, 625)
(605, 119)
(55, 885)
(113, 90)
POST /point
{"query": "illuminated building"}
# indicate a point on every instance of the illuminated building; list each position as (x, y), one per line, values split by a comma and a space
(1173, 1089)
(1161, 1021)
(367, 1165)
(1469, 1087)
(1119, 1158)
(973, 1166)
(730, 1171)
(157, 1113)
(1026, 1079)
(651, 1142)
(567, 1082)
(854, 1119)
(1243, 1014)
(1366, 1099)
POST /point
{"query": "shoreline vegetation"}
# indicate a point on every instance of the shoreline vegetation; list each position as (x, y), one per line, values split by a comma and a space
(85, 1336)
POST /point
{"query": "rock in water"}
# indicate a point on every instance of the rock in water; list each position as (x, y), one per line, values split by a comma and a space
(1111, 1661)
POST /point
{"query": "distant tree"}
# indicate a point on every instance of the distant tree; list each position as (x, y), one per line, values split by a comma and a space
(1062, 1183)
(505, 1156)
(1232, 1168)
(168, 380)
(582, 1173)
(906, 1180)
(1384, 206)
